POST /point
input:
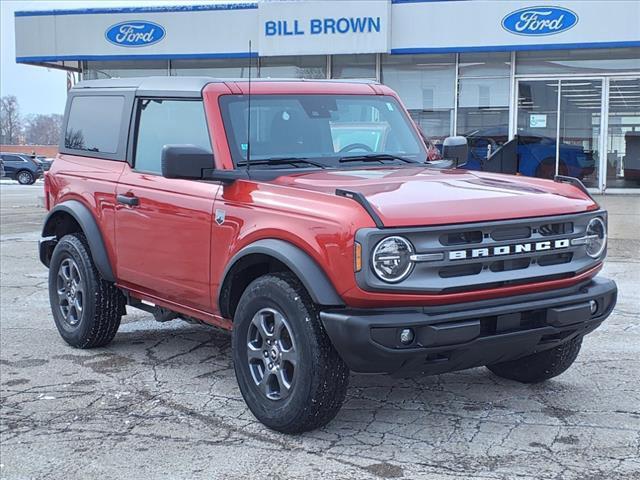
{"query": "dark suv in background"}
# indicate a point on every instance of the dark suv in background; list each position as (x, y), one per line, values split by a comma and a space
(20, 167)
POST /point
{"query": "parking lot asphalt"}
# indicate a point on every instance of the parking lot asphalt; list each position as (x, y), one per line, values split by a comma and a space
(161, 402)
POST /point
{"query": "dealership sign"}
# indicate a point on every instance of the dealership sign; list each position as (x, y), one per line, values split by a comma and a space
(319, 27)
(322, 27)
(135, 34)
(535, 21)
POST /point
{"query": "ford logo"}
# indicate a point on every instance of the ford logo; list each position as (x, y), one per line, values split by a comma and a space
(539, 21)
(137, 33)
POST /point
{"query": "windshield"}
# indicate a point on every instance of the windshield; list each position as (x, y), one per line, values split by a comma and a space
(324, 129)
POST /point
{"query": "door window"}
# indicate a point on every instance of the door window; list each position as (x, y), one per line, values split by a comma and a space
(13, 158)
(94, 124)
(168, 122)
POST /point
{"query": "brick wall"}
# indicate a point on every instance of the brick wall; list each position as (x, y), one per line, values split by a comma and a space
(45, 150)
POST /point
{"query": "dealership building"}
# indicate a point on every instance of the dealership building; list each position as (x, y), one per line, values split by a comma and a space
(560, 79)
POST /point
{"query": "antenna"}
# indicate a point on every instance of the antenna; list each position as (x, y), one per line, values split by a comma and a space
(249, 115)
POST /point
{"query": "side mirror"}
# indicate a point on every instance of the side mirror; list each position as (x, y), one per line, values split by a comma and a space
(455, 149)
(185, 161)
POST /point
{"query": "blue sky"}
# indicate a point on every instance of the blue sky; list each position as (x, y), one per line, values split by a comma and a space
(38, 89)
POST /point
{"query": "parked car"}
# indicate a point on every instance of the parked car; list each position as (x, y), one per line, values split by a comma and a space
(21, 167)
(322, 256)
(536, 154)
(45, 162)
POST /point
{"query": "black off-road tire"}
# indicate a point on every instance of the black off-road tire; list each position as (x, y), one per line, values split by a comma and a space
(25, 177)
(540, 366)
(320, 377)
(103, 303)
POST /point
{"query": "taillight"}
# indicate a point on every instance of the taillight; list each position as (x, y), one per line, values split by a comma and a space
(47, 200)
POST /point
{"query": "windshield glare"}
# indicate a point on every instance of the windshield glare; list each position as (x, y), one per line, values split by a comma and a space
(323, 128)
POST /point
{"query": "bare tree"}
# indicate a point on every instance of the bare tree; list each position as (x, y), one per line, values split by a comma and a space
(10, 123)
(74, 139)
(43, 129)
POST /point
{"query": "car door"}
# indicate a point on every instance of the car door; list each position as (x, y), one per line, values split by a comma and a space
(13, 163)
(163, 226)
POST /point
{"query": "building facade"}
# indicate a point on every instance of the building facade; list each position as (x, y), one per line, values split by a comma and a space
(562, 78)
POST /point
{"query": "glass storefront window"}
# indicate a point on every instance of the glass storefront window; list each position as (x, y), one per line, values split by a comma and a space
(623, 133)
(426, 84)
(308, 66)
(568, 144)
(483, 115)
(537, 127)
(140, 68)
(215, 67)
(580, 113)
(354, 66)
(582, 61)
(485, 64)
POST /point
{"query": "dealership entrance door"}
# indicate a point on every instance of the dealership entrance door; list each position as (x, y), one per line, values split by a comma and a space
(559, 125)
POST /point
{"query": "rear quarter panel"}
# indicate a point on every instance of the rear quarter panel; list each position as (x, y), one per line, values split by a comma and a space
(92, 182)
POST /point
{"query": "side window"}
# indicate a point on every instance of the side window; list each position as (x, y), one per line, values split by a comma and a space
(94, 123)
(166, 122)
(12, 158)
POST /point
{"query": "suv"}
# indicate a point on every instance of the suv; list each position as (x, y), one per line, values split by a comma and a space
(20, 167)
(309, 225)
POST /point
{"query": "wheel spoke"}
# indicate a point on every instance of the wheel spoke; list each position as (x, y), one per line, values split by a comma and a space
(290, 356)
(285, 385)
(77, 304)
(64, 271)
(75, 274)
(260, 321)
(264, 383)
(61, 290)
(254, 353)
(278, 324)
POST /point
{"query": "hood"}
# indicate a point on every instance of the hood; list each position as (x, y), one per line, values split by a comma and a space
(414, 196)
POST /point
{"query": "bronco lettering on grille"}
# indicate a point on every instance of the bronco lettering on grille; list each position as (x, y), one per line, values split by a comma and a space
(517, 248)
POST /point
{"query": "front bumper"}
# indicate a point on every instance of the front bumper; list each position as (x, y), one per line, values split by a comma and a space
(455, 337)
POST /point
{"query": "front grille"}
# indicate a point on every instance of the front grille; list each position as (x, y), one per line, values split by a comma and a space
(460, 270)
(486, 255)
(462, 238)
(507, 265)
(510, 233)
(555, 228)
(555, 259)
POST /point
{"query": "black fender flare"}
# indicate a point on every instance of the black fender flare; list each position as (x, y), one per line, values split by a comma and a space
(298, 261)
(89, 226)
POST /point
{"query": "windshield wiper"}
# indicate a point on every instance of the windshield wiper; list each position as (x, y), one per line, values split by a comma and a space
(374, 157)
(283, 161)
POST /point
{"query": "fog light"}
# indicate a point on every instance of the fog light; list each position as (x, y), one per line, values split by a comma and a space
(593, 305)
(406, 336)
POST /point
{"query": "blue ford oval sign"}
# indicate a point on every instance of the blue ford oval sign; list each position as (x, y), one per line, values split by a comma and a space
(539, 20)
(138, 33)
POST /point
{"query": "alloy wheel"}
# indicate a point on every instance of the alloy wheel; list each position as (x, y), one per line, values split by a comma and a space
(24, 178)
(70, 289)
(272, 354)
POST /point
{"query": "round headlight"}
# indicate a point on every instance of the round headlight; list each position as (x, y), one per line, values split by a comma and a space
(596, 237)
(391, 259)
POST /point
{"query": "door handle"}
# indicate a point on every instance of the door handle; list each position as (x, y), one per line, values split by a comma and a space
(130, 200)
